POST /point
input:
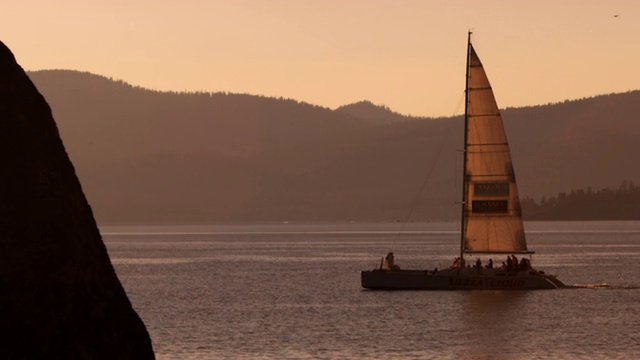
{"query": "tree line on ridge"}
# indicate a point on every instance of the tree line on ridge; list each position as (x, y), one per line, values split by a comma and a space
(622, 203)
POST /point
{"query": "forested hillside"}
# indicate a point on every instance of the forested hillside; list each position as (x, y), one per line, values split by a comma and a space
(145, 156)
(622, 203)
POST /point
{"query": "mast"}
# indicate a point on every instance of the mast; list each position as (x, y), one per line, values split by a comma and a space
(464, 152)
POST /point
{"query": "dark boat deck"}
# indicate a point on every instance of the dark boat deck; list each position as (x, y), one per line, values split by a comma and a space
(458, 279)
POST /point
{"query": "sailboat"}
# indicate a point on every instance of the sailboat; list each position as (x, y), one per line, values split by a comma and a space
(491, 215)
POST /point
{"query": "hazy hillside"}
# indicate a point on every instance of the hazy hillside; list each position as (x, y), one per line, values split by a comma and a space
(149, 157)
(576, 144)
(366, 110)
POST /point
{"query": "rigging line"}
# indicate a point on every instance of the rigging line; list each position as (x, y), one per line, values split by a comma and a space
(455, 184)
(428, 177)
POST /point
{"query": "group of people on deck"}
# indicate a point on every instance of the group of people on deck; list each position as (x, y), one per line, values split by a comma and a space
(511, 264)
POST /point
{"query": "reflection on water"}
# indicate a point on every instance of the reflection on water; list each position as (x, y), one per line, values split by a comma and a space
(492, 317)
(279, 292)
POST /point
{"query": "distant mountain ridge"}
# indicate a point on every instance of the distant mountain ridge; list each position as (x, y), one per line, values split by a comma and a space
(146, 156)
(367, 110)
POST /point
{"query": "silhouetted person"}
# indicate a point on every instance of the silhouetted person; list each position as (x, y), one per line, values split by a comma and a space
(490, 264)
(390, 260)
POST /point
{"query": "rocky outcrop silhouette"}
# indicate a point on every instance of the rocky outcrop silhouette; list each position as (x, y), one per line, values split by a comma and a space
(59, 294)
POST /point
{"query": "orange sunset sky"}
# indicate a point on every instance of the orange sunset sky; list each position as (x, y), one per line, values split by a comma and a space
(407, 55)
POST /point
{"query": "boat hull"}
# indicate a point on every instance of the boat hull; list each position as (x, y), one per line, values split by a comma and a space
(454, 279)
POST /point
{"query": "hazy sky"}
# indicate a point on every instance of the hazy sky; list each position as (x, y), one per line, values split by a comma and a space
(408, 55)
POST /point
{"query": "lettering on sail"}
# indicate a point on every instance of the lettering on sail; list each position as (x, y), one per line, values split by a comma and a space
(490, 206)
(491, 189)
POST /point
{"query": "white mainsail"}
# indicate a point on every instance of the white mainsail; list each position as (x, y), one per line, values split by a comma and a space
(492, 219)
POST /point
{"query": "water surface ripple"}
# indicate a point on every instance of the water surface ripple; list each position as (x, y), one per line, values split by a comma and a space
(292, 291)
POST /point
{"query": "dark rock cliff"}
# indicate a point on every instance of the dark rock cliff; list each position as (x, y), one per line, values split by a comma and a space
(59, 294)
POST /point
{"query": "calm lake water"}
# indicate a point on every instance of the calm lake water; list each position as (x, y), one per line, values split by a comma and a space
(292, 291)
